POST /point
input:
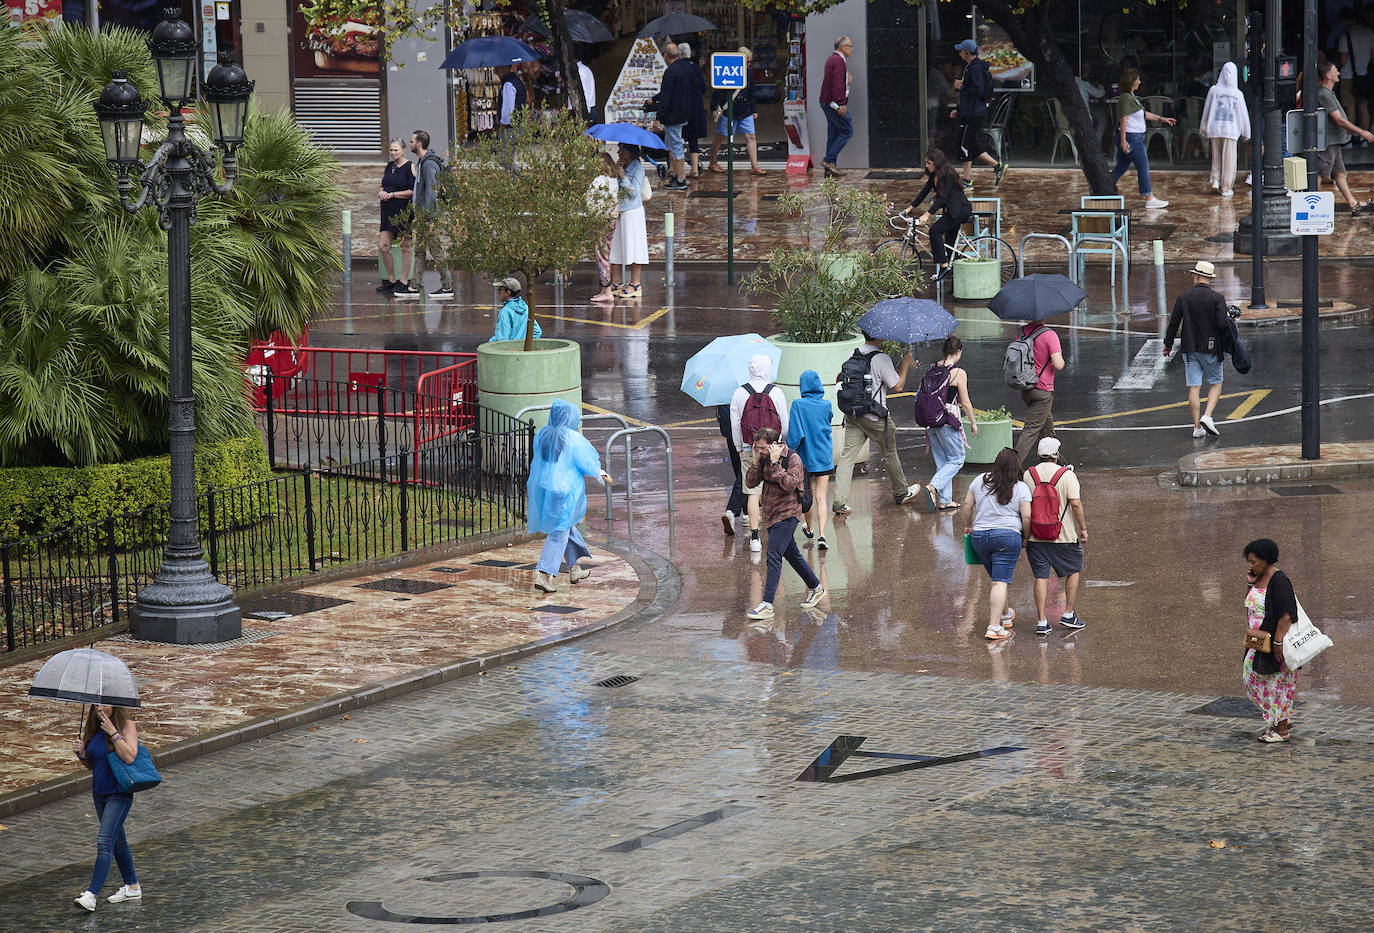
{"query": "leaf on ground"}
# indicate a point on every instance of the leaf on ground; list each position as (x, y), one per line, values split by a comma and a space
(1217, 843)
(361, 741)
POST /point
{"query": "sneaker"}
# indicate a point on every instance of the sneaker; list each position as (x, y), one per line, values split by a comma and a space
(386, 286)
(841, 509)
(808, 533)
(1228, 193)
(727, 519)
(1210, 426)
(675, 185)
(755, 544)
(576, 573)
(760, 612)
(1155, 204)
(998, 171)
(1008, 617)
(911, 496)
(85, 899)
(441, 293)
(968, 184)
(821, 543)
(996, 633)
(1071, 621)
(1248, 179)
(1198, 432)
(813, 597)
(542, 581)
(943, 273)
(125, 893)
(406, 291)
(1043, 627)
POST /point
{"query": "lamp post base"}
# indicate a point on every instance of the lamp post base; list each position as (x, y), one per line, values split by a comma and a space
(191, 608)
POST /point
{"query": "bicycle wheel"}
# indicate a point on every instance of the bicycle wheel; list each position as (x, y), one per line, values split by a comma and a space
(994, 247)
(903, 250)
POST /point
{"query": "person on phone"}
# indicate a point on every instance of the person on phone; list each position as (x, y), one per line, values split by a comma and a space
(950, 198)
(1270, 607)
(779, 471)
(1131, 119)
(109, 729)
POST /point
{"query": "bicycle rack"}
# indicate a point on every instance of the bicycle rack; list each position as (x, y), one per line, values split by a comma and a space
(627, 433)
(586, 416)
(1125, 260)
(1021, 253)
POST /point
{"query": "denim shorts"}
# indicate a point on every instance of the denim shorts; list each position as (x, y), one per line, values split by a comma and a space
(743, 127)
(1200, 366)
(672, 135)
(999, 550)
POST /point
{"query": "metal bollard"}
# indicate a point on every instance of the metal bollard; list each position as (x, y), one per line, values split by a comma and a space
(1159, 252)
(347, 247)
(668, 250)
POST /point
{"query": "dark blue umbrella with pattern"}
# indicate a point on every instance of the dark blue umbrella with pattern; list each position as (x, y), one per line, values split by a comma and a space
(908, 320)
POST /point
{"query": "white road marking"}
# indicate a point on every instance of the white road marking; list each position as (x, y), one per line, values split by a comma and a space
(1145, 368)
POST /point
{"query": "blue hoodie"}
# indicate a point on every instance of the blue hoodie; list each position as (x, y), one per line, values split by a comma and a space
(808, 431)
(511, 321)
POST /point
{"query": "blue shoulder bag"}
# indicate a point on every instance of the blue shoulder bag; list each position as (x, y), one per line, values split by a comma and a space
(132, 777)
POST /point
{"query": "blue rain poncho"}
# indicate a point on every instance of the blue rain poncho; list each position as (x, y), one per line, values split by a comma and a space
(563, 458)
(808, 426)
(512, 320)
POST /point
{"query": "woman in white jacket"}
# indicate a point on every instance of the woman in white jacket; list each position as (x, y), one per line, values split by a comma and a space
(1224, 120)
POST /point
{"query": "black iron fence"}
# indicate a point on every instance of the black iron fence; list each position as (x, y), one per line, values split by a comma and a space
(84, 577)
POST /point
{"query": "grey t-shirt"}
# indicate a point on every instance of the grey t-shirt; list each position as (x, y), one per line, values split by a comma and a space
(1336, 135)
(991, 515)
(884, 377)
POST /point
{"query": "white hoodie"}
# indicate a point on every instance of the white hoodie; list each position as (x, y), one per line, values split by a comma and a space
(760, 373)
(1224, 115)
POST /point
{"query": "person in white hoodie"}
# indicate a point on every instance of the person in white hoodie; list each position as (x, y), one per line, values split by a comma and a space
(1224, 120)
(745, 419)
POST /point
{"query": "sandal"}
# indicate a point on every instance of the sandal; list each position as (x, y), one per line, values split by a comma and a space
(631, 291)
(715, 168)
(758, 171)
(1008, 617)
(931, 498)
(1272, 736)
(949, 506)
(996, 633)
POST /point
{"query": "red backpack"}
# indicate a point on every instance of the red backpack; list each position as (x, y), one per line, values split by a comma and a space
(1047, 520)
(759, 412)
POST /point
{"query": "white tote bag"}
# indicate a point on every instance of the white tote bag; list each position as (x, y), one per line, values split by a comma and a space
(1303, 642)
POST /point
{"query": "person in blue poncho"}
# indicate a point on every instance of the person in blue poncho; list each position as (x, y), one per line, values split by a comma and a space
(809, 434)
(514, 315)
(563, 458)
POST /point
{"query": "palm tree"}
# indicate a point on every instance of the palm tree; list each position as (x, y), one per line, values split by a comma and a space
(83, 285)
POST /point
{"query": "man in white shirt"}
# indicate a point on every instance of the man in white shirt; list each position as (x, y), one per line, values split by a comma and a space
(588, 88)
(884, 378)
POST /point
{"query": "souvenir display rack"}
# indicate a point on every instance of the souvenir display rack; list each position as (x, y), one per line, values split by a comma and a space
(639, 79)
(481, 108)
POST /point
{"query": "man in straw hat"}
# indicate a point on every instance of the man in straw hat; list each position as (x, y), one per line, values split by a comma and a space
(1199, 320)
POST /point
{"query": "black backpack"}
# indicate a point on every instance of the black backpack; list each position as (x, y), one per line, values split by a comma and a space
(854, 393)
(804, 495)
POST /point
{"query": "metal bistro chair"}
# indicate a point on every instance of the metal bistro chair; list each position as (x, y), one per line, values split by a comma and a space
(1095, 219)
(996, 127)
(1160, 106)
(1060, 122)
(1189, 112)
(987, 217)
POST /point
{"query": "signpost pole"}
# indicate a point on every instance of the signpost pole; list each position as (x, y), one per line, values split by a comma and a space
(1311, 382)
(730, 191)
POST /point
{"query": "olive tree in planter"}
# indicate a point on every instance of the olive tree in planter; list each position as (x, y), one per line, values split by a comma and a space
(536, 218)
(822, 290)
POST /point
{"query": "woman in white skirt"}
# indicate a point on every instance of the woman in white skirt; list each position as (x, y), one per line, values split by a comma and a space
(630, 245)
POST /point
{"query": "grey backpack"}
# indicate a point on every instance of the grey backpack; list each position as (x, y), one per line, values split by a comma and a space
(1018, 363)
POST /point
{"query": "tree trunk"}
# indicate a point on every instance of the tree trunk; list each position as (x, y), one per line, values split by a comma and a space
(529, 300)
(563, 55)
(1032, 34)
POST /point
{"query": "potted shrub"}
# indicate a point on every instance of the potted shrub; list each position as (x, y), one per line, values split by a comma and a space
(994, 433)
(821, 289)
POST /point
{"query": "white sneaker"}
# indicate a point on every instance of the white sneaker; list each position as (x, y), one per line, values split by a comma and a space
(759, 612)
(1156, 204)
(576, 573)
(1198, 432)
(86, 900)
(125, 893)
(1248, 181)
(542, 581)
(727, 519)
(755, 544)
(1008, 616)
(813, 597)
(1227, 193)
(1210, 426)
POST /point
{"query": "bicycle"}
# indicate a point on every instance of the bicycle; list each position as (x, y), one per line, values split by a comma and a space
(983, 246)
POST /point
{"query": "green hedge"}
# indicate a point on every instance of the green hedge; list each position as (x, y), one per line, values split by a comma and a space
(39, 500)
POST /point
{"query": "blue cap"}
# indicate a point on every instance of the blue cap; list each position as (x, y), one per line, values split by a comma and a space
(968, 45)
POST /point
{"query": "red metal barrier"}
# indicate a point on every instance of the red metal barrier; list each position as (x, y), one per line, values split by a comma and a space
(445, 403)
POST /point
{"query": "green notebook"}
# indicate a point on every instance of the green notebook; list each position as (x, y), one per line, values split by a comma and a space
(970, 555)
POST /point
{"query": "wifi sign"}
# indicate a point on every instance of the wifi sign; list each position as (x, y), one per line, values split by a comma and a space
(1312, 213)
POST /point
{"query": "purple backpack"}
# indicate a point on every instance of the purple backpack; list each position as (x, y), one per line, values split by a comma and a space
(930, 397)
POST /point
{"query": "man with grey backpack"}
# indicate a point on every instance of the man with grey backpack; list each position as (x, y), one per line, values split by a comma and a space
(1030, 363)
(863, 383)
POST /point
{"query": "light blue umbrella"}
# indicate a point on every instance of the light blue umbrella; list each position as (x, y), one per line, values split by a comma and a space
(908, 320)
(713, 374)
(625, 133)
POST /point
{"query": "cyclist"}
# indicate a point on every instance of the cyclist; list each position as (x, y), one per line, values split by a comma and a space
(949, 197)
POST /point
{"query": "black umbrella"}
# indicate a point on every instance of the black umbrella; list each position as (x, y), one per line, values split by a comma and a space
(1036, 297)
(677, 24)
(582, 27)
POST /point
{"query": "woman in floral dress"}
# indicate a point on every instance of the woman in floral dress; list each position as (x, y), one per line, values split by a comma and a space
(1271, 607)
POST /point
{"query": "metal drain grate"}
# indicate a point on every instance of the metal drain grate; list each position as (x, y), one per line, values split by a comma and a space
(713, 194)
(1319, 489)
(249, 635)
(402, 585)
(1235, 707)
(619, 680)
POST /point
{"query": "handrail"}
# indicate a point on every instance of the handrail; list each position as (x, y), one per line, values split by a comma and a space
(629, 477)
(1125, 260)
(1021, 249)
(586, 416)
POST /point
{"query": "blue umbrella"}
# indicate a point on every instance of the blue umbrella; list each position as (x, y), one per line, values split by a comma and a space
(713, 374)
(625, 133)
(908, 320)
(489, 52)
(1036, 297)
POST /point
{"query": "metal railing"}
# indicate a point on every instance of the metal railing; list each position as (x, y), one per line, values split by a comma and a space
(1021, 253)
(1125, 259)
(627, 433)
(361, 369)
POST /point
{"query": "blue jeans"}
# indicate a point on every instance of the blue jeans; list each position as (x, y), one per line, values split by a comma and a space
(672, 135)
(564, 546)
(947, 447)
(781, 545)
(838, 131)
(999, 549)
(111, 843)
(1137, 158)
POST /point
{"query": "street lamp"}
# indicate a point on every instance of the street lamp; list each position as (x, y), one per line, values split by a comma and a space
(184, 604)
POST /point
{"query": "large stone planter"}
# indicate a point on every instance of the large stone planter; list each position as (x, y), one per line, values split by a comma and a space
(992, 436)
(509, 378)
(825, 358)
(977, 279)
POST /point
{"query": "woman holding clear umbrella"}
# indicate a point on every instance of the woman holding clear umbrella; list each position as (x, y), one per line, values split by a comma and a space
(109, 729)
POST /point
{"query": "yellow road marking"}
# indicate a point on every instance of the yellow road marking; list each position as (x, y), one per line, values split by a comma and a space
(1140, 411)
(606, 411)
(1245, 407)
(687, 424)
(651, 318)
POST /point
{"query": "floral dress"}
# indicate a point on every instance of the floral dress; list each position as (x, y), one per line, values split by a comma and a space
(1272, 693)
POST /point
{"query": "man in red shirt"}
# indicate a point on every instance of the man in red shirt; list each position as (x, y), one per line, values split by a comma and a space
(1039, 420)
(834, 100)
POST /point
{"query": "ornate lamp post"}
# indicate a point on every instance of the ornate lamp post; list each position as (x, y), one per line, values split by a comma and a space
(184, 603)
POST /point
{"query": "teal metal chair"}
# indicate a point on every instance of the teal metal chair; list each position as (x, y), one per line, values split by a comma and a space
(1095, 220)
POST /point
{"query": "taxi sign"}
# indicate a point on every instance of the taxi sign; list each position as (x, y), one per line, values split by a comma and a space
(728, 71)
(1312, 212)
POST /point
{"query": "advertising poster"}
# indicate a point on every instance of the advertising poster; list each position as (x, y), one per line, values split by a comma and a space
(1010, 70)
(340, 39)
(798, 143)
(33, 12)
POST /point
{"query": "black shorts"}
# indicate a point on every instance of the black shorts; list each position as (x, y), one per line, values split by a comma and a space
(1064, 559)
(970, 139)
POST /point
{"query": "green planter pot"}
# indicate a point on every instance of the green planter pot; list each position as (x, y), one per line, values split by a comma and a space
(825, 358)
(977, 279)
(509, 378)
(992, 436)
